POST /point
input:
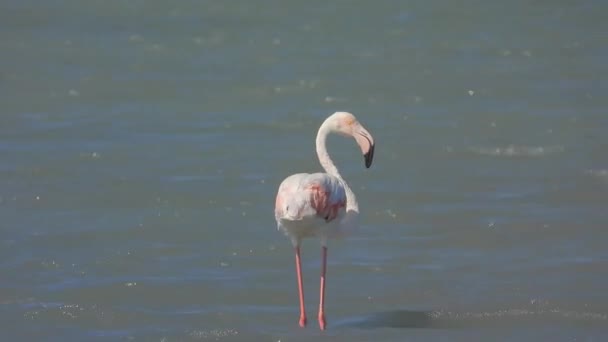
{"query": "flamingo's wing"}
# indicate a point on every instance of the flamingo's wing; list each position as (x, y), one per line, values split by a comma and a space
(305, 195)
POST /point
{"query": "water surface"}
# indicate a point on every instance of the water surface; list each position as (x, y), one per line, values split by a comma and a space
(142, 144)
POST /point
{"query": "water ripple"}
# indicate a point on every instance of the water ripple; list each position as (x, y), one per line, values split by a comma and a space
(518, 151)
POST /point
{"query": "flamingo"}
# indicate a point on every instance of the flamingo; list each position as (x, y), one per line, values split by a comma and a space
(321, 204)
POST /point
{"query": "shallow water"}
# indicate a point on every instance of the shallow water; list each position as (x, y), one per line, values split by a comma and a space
(142, 145)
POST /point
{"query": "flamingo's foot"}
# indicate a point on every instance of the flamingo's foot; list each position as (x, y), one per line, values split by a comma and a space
(322, 322)
(302, 321)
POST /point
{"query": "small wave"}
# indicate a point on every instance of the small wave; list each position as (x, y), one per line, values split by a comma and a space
(518, 151)
(598, 173)
(515, 314)
(215, 334)
(601, 175)
(442, 319)
(62, 312)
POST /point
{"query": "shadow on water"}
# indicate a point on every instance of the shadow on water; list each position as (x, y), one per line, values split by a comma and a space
(392, 319)
(510, 318)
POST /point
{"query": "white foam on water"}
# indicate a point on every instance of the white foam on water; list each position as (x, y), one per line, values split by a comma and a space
(599, 174)
(518, 151)
(215, 334)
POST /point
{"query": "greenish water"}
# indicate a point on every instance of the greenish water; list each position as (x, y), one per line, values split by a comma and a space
(142, 144)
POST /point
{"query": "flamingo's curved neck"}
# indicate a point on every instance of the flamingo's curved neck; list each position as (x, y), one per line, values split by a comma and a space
(352, 207)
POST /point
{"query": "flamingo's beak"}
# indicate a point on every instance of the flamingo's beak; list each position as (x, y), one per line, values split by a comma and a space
(366, 143)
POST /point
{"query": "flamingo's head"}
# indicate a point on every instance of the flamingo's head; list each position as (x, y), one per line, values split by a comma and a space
(347, 124)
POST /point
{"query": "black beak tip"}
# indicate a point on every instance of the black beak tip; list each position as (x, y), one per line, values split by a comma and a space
(369, 157)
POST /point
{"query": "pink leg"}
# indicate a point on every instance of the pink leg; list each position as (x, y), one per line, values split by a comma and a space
(300, 288)
(322, 291)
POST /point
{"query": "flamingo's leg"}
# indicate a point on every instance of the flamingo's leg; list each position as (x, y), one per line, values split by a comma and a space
(322, 291)
(300, 288)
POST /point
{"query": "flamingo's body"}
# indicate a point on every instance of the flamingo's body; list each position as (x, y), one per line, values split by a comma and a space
(321, 204)
(310, 205)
